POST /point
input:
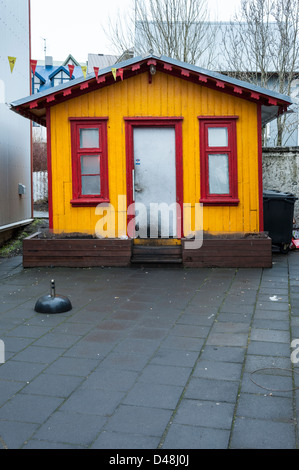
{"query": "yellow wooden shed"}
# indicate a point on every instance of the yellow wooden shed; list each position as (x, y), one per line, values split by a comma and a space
(155, 160)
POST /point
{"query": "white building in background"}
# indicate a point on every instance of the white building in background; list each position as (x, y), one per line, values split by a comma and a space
(15, 132)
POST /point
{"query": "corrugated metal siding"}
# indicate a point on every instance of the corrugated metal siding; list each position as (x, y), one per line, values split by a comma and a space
(15, 158)
(166, 96)
(100, 60)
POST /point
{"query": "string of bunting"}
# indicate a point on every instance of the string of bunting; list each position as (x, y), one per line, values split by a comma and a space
(71, 69)
(33, 63)
(12, 62)
(117, 73)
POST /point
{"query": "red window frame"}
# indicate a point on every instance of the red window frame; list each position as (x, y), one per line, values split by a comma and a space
(206, 122)
(77, 124)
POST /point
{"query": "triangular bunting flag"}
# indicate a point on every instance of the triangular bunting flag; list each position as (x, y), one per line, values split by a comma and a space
(114, 73)
(12, 61)
(71, 69)
(33, 64)
(121, 73)
(84, 70)
(96, 71)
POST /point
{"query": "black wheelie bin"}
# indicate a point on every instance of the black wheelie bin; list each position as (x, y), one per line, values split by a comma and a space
(278, 217)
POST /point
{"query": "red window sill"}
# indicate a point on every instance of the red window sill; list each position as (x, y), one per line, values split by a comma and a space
(220, 201)
(85, 202)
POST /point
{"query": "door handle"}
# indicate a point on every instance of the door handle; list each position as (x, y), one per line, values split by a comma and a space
(133, 184)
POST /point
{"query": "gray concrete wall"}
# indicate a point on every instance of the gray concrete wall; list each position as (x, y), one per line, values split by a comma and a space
(281, 171)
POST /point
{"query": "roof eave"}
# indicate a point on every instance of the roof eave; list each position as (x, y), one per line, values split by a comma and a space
(34, 106)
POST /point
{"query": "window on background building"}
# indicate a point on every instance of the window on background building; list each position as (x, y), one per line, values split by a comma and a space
(218, 160)
(59, 78)
(89, 161)
(36, 84)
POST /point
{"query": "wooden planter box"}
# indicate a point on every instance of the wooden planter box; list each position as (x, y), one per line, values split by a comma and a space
(232, 252)
(85, 252)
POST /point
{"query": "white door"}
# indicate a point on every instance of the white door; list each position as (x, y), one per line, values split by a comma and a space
(155, 182)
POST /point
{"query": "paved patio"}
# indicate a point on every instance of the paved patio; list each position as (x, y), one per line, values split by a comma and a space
(150, 358)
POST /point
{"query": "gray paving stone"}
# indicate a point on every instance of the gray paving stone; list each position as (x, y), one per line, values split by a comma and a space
(78, 366)
(116, 440)
(193, 331)
(226, 339)
(52, 385)
(35, 444)
(265, 384)
(276, 365)
(8, 388)
(218, 370)
(265, 407)
(259, 334)
(175, 357)
(195, 437)
(42, 355)
(20, 371)
(269, 348)
(113, 378)
(274, 324)
(139, 420)
(261, 434)
(223, 353)
(154, 395)
(205, 413)
(212, 389)
(71, 428)
(15, 434)
(29, 409)
(167, 375)
(183, 343)
(93, 401)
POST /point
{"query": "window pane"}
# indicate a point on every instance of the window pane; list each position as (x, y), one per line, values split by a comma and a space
(218, 136)
(218, 174)
(90, 165)
(89, 138)
(91, 185)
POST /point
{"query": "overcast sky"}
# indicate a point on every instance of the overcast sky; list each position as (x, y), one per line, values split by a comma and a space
(70, 29)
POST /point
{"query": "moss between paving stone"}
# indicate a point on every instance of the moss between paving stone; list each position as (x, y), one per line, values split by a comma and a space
(14, 246)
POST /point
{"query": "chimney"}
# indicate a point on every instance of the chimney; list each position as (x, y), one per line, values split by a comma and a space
(48, 61)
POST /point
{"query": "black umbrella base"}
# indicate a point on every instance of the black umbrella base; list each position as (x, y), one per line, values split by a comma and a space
(53, 304)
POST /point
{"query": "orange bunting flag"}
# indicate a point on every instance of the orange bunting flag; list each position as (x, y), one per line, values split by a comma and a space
(33, 64)
(121, 73)
(71, 69)
(84, 70)
(114, 73)
(12, 61)
(96, 71)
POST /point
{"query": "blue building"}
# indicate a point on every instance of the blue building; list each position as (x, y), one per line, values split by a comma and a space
(50, 74)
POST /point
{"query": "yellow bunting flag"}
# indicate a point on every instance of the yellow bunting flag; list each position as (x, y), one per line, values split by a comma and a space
(84, 70)
(12, 61)
(114, 73)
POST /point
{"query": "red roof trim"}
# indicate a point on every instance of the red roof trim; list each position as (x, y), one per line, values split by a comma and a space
(238, 90)
(255, 96)
(94, 83)
(202, 78)
(220, 84)
(185, 73)
(34, 104)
